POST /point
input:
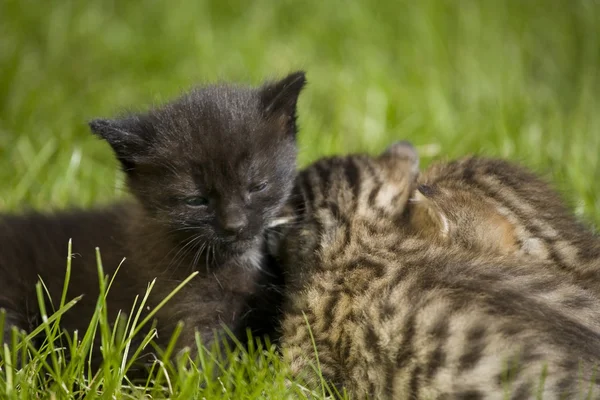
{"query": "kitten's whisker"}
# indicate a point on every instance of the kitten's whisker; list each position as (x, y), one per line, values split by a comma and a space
(179, 257)
(176, 247)
(212, 255)
(191, 239)
(184, 228)
(187, 252)
(199, 244)
(214, 252)
(197, 257)
(207, 257)
(187, 242)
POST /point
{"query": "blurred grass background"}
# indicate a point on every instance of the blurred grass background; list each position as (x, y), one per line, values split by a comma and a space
(517, 79)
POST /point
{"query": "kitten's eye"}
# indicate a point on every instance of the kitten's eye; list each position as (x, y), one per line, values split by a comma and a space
(196, 201)
(258, 188)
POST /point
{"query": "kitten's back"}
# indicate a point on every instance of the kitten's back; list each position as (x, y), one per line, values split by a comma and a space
(393, 315)
(496, 205)
(34, 246)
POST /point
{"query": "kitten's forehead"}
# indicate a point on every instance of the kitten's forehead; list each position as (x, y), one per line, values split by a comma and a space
(215, 127)
(358, 185)
(205, 114)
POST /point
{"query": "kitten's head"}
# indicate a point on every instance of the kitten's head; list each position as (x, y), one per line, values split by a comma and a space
(484, 205)
(217, 164)
(335, 195)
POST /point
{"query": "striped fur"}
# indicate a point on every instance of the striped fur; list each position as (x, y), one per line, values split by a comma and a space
(394, 315)
(494, 205)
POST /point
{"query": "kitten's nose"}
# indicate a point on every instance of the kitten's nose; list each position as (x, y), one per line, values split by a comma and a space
(234, 223)
(234, 226)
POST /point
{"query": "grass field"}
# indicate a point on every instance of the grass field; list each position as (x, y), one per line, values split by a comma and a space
(515, 79)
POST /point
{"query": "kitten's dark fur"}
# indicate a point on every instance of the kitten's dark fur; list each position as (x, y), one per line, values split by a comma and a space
(208, 173)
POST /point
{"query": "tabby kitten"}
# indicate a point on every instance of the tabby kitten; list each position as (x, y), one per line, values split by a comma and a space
(393, 315)
(208, 173)
(494, 205)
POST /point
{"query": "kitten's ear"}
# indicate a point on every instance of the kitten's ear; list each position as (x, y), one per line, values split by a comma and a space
(279, 99)
(426, 218)
(401, 160)
(124, 137)
(399, 166)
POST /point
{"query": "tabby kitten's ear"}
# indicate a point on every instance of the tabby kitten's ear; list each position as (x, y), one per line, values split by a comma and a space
(426, 218)
(401, 154)
(400, 161)
(125, 136)
(399, 166)
(279, 100)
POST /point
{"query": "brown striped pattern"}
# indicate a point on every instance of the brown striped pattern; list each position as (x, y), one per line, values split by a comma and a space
(395, 315)
(496, 205)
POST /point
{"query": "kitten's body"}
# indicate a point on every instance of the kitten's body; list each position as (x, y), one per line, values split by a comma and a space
(494, 205)
(394, 315)
(224, 294)
(208, 172)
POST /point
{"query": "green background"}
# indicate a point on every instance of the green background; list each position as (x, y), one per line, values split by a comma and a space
(517, 79)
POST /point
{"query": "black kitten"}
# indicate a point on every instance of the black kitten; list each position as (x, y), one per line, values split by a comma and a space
(208, 173)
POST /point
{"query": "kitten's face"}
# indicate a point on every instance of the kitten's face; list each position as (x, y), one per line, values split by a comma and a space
(216, 164)
(334, 195)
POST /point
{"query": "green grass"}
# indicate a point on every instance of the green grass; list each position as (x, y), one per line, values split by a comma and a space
(48, 374)
(515, 79)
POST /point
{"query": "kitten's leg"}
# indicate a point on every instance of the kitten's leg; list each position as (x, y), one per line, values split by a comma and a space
(216, 308)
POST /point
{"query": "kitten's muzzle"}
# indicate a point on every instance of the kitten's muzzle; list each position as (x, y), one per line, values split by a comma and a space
(239, 246)
(235, 227)
(232, 221)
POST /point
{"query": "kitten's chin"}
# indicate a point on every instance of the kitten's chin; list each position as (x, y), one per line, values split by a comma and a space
(240, 247)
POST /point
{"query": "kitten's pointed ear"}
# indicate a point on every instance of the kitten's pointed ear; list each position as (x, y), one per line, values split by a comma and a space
(426, 218)
(401, 159)
(279, 99)
(123, 136)
(399, 165)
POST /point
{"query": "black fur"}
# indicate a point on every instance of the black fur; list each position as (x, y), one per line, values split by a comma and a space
(207, 172)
